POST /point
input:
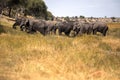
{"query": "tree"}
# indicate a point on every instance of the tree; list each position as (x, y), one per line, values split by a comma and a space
(105, 17)
(113, 18)
(76, 17)
(2, 5)
(49, 16)
(82, 16)
(36, 8)
(11, 4)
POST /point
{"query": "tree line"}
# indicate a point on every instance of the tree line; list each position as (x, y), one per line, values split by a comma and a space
(36, 8)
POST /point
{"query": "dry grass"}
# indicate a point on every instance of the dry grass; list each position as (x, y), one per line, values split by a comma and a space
(35, 57)
(114, 25)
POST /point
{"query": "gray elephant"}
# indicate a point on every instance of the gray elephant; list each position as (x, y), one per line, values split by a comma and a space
(19, 22)
(87, 28)
(65, 27)
(50, 26)
(82, 28)
(34, 26)
(100, 27)
(76, 27)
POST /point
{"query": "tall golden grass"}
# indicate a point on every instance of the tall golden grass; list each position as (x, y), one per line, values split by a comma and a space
(35, 57)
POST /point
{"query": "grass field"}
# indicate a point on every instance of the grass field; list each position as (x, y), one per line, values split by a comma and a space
(35, 57)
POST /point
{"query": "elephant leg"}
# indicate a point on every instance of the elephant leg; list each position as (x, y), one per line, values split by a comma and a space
(29, 29)
(80, 32)
(60, 32)
(67, 34)
(94, 32)
(54, 31)
(46, 32)
(26, 29)
(76, 33)
(43, 31)
(90, 31)
(14, 25)
(50, 32)
(104, 31)
(22, 27)
(104, 34)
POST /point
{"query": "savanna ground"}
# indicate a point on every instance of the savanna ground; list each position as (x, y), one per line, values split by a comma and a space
(35, 57)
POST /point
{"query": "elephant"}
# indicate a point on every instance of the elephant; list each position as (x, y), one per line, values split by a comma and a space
(19, 22)
(100, 27)
(25, 24)
(50, 26)
(28, 23)
(76, 27)
(56, 26)
(82, 28)
(87, 28)
(34, 26)
(65, 27)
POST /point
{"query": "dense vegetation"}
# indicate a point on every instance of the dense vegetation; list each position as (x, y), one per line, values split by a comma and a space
(35, 8)
(35, 57)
